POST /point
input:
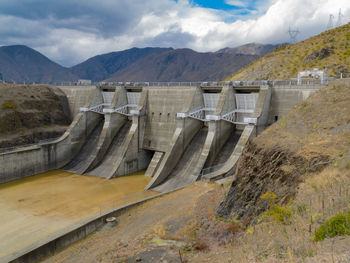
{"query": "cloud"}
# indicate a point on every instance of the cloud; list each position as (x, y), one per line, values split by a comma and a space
(70, 31)
(236, 3)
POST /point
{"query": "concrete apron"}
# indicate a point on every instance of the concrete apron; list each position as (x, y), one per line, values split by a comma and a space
(71, 234)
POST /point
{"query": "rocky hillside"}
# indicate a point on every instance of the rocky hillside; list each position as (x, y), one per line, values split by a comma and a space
(22, 64)
(31, 113)
(285, 154)
(183, 65)
(329, 49)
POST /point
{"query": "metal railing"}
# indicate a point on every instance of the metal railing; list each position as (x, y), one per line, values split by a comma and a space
(125, 109)
(98, 108)
(293, 82)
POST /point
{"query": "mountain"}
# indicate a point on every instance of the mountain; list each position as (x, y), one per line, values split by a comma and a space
(250, 49)
(183, 65)
(103, 66)
(23, 64)
(329, 49)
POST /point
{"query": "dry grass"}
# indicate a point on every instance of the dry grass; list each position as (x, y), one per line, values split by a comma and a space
(320, 197)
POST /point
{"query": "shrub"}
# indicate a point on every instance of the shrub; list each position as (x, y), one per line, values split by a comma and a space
(281, 214)
(8, 105)
(347, 166)
(338, 225)
(233, 228)
(200, 245)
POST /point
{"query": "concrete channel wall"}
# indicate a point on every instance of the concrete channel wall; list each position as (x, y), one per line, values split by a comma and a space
(134, 157)
(112, 124)
(35, 159)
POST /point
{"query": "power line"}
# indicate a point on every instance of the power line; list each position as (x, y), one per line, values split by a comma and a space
(339, 21)
(330, 22)
(293, 33)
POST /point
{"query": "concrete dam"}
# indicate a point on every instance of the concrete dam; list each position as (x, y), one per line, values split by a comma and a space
(166, 135)
(177, 133)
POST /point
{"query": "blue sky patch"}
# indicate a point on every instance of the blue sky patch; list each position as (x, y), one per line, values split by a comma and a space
(224, 4)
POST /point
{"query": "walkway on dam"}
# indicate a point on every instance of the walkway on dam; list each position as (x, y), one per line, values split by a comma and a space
(38, 206)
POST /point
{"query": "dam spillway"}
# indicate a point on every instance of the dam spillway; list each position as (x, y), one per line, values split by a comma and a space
(36, 207)
(121, 129)
(175, 134)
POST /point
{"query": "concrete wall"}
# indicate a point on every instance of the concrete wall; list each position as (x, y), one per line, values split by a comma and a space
(181, 136)
(284, 98)
(162, 105)
(262, 106)
(78, 96)
(132, 156)
(36, 159)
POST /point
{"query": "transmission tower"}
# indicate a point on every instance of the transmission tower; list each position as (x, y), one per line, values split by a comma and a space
(339, 21)
(330, 22)
(293, 33)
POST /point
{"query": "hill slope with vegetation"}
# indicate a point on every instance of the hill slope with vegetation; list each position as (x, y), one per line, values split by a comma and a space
(329, 49)
(29, 114)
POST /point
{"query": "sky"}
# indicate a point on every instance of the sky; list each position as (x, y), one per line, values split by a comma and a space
(71, 31)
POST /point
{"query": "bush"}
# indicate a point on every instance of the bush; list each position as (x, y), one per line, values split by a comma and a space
(338, 225)
(8, 105)
(281, 214)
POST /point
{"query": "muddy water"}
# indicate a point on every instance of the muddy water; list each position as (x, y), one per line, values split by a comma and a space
(37, 206)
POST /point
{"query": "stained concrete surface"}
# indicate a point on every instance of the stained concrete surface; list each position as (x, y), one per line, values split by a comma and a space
(37, 206)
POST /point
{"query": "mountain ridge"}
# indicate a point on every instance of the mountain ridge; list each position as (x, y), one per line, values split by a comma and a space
(19, 63)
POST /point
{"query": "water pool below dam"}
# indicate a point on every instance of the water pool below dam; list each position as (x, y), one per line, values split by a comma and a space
(36, 207)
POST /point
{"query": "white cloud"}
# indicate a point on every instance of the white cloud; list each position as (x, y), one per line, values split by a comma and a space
(69, 37)
(236, 3)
